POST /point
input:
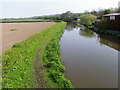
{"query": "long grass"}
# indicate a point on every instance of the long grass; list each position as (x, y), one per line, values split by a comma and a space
(18, 70)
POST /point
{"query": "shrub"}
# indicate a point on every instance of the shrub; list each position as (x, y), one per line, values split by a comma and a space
(87, 19)
(101, 25)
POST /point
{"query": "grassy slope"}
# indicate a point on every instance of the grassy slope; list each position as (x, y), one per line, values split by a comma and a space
(18, 69)
(24, 20)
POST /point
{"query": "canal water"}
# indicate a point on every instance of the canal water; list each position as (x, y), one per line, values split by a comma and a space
(91, 60)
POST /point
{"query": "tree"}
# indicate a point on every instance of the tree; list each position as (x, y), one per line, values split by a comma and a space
(95, 13)
(108, 11)
(87, 19)
(68, 16)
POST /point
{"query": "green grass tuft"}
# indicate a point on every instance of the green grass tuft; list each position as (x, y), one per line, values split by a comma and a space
(13, 29)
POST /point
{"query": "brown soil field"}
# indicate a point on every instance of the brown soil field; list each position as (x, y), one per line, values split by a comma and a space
(12, 33)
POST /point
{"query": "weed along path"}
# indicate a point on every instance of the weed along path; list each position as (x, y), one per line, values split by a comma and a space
(36, 62)
(16, 32)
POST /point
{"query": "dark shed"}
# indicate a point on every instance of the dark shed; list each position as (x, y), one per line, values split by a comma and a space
(113, 21)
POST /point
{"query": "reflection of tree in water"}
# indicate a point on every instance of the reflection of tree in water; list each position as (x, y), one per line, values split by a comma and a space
(71, 26)
(87, 33)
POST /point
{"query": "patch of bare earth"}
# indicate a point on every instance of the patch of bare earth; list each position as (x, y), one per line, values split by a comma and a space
(12, 33)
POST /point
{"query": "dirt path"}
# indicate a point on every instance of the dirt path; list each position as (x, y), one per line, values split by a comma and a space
(21, 31)
(38, 67)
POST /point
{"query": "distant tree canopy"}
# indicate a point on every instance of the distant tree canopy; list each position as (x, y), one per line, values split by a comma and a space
(87, 19)
(108, 11)
(95, 13)
(55, 17)
(68, 16)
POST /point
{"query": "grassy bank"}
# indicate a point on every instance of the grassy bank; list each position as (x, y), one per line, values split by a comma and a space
(54, 70)
(24, 20)
(18, 62)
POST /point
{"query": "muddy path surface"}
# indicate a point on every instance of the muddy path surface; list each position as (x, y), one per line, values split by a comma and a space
(38, 63)
(12, 33)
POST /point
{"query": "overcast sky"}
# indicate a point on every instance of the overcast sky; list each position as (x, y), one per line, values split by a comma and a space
(27, 8)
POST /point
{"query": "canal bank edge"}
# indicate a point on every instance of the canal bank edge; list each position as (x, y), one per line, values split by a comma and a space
(54, 70)
(18, 70)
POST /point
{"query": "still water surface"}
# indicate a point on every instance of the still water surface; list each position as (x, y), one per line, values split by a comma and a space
(91, 60)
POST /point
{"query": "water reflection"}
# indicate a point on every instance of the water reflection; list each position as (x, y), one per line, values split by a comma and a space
(110, 41)
(71, 26)
(87, 33)
(88, 63)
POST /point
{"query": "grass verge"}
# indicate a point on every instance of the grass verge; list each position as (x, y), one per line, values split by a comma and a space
(53, 69)
(18, 70)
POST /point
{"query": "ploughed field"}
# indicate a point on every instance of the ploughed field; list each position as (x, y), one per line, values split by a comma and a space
(12, 33)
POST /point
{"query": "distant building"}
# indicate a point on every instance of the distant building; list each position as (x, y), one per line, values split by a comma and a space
(113, 21)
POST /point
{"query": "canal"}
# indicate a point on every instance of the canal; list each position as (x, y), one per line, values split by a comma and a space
(91, 60)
